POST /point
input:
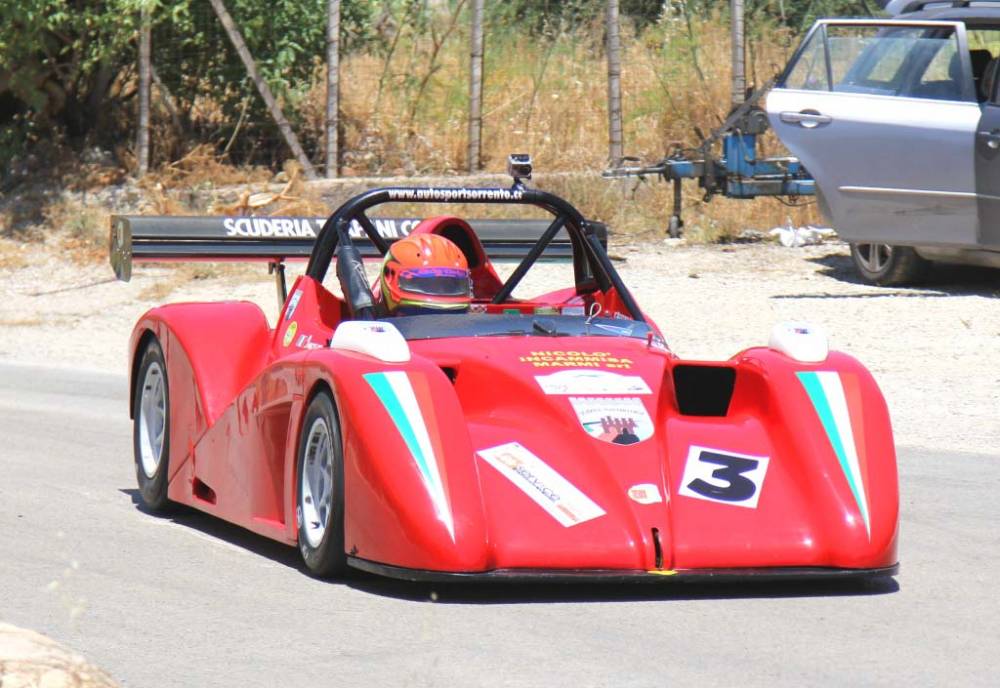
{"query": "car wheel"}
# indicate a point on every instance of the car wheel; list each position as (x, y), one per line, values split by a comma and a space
(151, 428)
(888, 265)
(319, 494)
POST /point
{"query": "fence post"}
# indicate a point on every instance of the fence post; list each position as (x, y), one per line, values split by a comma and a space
(332, 88)
(262, 88)
(476, 88)
(738, 41)
(615, 143)
(145, 76)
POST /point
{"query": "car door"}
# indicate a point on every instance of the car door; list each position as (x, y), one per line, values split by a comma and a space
(988, 160)
(883, 114)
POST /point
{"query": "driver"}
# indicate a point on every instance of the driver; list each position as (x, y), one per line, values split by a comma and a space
(424, 273)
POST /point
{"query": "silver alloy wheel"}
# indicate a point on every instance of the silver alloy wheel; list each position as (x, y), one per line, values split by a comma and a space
(874, 257)
(152, 419)
(316, 495)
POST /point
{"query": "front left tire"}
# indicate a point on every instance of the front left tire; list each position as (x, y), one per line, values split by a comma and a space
(151, 428)
(319, 494)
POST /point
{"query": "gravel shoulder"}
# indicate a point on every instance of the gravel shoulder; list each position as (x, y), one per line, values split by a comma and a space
(935, 351)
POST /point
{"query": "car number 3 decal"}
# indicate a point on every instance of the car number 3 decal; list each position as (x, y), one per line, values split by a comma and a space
(722, 476)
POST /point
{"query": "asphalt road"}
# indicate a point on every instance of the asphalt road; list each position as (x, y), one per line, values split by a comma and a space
(195, 602)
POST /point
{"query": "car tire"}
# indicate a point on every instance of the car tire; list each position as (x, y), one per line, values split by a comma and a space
(151, 428)
(887, 265)
(319, 490)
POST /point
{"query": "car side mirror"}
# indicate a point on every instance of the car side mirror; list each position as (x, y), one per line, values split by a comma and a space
(354, 282)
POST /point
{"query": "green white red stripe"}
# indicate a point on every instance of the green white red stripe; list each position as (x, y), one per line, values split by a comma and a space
(837, 400)
(406, 397)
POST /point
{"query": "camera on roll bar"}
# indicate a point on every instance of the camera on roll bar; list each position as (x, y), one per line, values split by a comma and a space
(519, 167)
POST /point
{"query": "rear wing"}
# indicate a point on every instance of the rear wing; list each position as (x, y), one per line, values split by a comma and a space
(274, 240)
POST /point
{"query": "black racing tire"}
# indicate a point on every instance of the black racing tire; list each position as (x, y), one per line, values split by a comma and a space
(319, 490)
(151, 428)
(887, 265)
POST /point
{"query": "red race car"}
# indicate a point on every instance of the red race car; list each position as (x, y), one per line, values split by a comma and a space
(482, 436)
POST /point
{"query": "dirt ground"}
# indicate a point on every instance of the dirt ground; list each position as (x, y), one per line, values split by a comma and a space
(935, 351)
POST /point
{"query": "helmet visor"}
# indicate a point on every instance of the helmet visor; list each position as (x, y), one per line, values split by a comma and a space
(435, 281)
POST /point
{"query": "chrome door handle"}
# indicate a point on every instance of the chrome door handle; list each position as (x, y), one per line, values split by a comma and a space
(992, 138)
(806, 119)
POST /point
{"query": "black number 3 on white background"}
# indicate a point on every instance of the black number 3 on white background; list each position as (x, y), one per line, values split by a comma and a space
(725, 477)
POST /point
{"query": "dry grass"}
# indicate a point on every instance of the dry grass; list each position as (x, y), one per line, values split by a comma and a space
(13, 255)
(179, 276)
(80, 230)
(548, 97)
(24, 322)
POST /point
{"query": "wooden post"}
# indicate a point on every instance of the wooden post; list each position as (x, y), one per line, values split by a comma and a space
(262, 88)
(614, 48)
(332, 88)
(145, 76)
(476, 88)
(738, 53)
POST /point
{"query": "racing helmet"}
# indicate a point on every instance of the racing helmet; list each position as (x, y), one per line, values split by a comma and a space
(425, 273)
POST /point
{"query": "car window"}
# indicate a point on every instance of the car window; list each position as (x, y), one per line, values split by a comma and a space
(904, 61)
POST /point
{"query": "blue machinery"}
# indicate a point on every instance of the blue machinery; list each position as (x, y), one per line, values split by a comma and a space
(738, 173)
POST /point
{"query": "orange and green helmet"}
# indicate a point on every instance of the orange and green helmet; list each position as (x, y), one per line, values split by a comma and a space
(425, 273)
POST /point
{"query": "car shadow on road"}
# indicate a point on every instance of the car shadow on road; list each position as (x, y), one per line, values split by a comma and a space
(212, 526)
(943, 280)
(484, 593)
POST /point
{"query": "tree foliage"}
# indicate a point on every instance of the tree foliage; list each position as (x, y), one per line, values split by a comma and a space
(68, 67)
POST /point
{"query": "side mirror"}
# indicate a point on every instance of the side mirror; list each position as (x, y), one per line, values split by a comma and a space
(354, 282)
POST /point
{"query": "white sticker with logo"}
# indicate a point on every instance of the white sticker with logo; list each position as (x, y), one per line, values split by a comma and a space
(618, 420)
(560, 498)
(723, 476)
(293, 303)
(591, 382)
(645, 493)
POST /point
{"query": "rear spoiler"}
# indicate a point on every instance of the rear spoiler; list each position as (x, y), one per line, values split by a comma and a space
(273, 240)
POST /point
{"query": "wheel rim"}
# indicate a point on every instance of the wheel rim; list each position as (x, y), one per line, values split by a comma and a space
(316, 495)
(874, 257)
(152, 419)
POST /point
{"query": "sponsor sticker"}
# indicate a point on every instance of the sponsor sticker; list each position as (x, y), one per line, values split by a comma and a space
(560, 498)
(591, 382)
(645, 493)
(618, 420)
(305, 341)
(477, 308)
(575, 359)
(293, 327)
(573, 310)
(269, 227)
(293, 303)
(451, 194)
(723, 476)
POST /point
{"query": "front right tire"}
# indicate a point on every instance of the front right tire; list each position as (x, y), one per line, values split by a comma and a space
(319, 494)
(888, 265)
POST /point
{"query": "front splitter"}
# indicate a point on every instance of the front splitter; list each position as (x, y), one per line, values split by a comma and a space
(734, 575)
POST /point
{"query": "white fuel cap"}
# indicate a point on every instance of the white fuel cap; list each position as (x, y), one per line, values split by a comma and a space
(379, 340)
(804, 342)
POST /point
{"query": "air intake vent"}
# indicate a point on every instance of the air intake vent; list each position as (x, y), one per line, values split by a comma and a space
(704, 390)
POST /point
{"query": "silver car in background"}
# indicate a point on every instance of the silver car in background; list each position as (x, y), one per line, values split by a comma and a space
(899, 123)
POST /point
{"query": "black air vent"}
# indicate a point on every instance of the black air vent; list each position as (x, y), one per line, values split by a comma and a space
(452, 373)
(704, 390)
